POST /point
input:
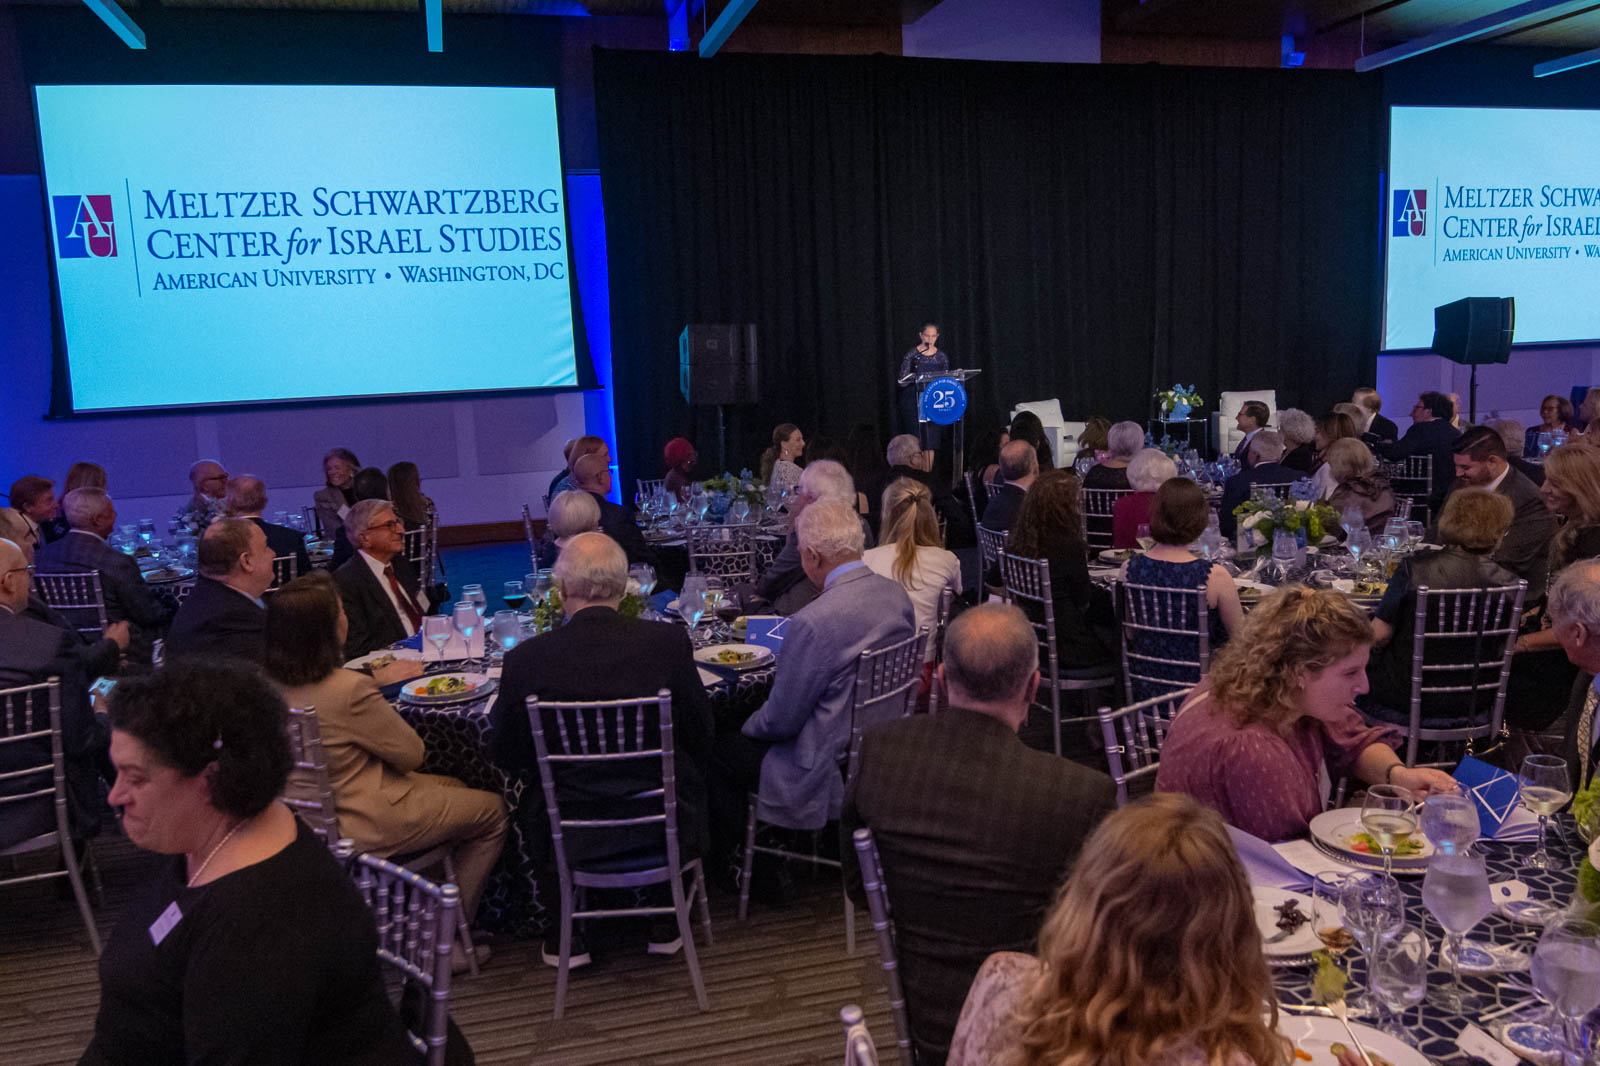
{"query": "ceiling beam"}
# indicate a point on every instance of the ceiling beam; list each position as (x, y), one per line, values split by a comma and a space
(1573, 62)
(723, 28)
(116, 18)
(1487, 25)
(433, 14)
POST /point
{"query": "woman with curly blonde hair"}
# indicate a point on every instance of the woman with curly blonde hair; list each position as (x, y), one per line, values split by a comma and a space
(1150, 957)
(1279, 706)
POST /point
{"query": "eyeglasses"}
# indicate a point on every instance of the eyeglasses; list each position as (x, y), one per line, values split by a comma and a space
(393, 523)
(16, 570)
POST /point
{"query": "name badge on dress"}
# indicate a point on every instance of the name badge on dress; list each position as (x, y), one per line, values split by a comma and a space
(166, 923)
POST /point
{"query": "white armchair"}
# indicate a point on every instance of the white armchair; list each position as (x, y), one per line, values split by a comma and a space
(1062, 435)
(1227, 433)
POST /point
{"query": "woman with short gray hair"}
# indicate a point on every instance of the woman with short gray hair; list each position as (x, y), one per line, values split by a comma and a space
(1147, 471)
(1299, 430)
(1122, 441)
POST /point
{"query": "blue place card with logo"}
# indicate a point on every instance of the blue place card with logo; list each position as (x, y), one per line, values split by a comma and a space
(1494, 790)
(765, 630)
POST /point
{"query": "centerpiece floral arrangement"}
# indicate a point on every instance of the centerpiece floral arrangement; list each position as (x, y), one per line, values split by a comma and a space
(1178, 401)
(1262, 520)
(547, 613)
(743, 486)
(1586, 810)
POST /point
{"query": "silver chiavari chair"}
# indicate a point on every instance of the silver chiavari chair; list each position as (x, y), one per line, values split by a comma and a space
(877, 893)
(1402, 508)
(415, 918)
(947, 600)
(1153, 613)
(422, 547)
(1028, 582)
(1411, 478)
(78, 596)
(649, 486)
(1097, 516)
(36, 793)
(859, 1050)
(313, 521)
(971, 480)
(726, 551)
(611, 735)
(1132, 737)
(885, 689)
(991, 545)
(532, 537)
(285, 568)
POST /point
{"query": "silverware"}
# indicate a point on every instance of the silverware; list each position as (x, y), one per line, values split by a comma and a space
(1283, 934)
(1338, 1010)
(1510, 1008)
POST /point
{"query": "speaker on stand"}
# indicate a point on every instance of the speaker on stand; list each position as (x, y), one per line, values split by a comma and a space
(1473, 331)
(716, 368)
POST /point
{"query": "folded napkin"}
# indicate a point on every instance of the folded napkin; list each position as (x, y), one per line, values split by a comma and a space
(766, 631)
(1496, 794)
(1263, 864)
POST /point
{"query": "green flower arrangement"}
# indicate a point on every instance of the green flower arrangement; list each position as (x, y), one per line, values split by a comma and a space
(1263, 520)
(744, 486)
(1586, 809)
(1179, 396)
(547, 613)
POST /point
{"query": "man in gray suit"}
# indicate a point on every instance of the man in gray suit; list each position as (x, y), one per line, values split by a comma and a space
(791, 746)
(1480, 463)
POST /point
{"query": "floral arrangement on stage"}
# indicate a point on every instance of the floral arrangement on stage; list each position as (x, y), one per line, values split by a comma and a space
(1262, 520)
(728, 486)
(1178, 401)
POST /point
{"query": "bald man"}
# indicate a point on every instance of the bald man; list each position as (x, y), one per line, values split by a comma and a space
(210, 483)
(247, 498)
(592, 474)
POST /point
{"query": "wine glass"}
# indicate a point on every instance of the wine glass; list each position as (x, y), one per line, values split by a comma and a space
(1389, 815)
(715, 596)
(515, 595)
(1143, 537)
(147, 529)
(1374, 909)
(436, 628)
(1327, 913)
(1414, 533)
(1359, 542)
(468, 621)
(1566, 971)
(507, 630)
(1456, 892)
(1400, 978)
(1450, 820)
(691, 605)
(645, 575)
(1546, 439)
(1545, 789)
(473, 594)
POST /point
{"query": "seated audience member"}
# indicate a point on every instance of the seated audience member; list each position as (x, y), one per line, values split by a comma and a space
(93, 516)
(1148, 470)
(1575, 618)
(592, 474)
(370, 484)
(80, 475)
(1111, 983)
(1511, 436)
(1123, 440)
(34, 499)
(1050, 527)
(224, 614)
(1253, 739)
(1359, 416)
(1299, 431)
(99, 658)
(779, 463)
(1432, 435)
(1555, 413)
(1480, 462)
(1382, 428)
(680, 457)
(911, 552)
(210, 483)
(973, 848)
(384, 803)
(411, 504)
(1177, 518)
(1472, 523)
(864, 459)
(382, 600)
(983, 460)
(600, 655)
(791, 746)
(1095, 438)
(575, 450)
(1026, 426)
(247, 498)
(1019, 468)
(338, 493)
(908, 459)
(1252, 418)
(32, 652)
(571, 513)
(248, 942)
(1330, 428)
(785, 585)
(1264, 468)
(1357, 483)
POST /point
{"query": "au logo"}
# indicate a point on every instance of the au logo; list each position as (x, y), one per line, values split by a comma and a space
(85, 228)
(1410, 212)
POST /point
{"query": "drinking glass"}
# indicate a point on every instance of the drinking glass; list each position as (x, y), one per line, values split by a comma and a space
(738, 512)
(716, 596)
(1396, 527)
(468, 621)
(515, 595)
(539, 585)
(147, 529)
(1558, 437)
(1450, 820)
(1400, 978)
(1374, 910)
(1566, 971)
(1545, 789)
(691, 605)
(645, 575)
(507, 630)
(1350, 518)
(1389, 815)
(1358, 542)
(436, 628)
(1414, 533)
(1546, 440)
(1328, 915)
(473, 594)
(1456, 892)
(1143, 537)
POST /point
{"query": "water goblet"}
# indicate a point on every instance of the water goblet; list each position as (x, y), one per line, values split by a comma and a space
(1144, 538)
(1374, 909)
(1566, 971)
(1450, 820)
(515, 594)
(645, 575)
(1400, 978)
(147, 529)
(1414, 533)
(468, 621)
(1389, 815)
(1456, 892)
(692, 606)
(1328, 914)
(473, 594)
(1545, 788)
(436, 629)
(507, 630)
(1546, 442)
(1558, 437)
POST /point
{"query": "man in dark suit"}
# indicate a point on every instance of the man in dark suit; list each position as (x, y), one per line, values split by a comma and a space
(973, 848)
(31, 652)
(1479, 461)
(369, 483)
(600, 655)
(378, 587)
(1019, 466)
(1381, 428)
(224, 614)
(1574, 607)
(1430, 434)
(100, 658)
(592, 474)
(1266, 448)
(908, 459)
(93, 516)
(247, 498)
(1251, 419)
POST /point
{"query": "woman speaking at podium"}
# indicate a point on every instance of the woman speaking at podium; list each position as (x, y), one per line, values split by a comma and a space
(926, 358)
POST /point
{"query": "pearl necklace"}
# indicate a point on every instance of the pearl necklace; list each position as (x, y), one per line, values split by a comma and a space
(213, 853)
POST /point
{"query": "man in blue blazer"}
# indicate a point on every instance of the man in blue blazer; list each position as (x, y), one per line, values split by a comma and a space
(1266, 449)
(792, 744)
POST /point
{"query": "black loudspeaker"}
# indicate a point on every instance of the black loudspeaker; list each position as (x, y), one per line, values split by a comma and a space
(1475, 330)
(717, 364)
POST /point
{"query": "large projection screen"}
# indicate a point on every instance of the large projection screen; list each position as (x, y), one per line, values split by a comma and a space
(1493, 201)
(223, 244)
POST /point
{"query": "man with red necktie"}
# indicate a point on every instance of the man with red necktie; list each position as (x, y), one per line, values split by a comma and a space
(380, 591)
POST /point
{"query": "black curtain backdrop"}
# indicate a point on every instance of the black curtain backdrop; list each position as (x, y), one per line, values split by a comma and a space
(1091, 233)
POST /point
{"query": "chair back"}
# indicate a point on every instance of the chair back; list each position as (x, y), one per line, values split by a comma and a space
(727, 551)
(285, 568)
(649, 486)
(309, 790)
(859, 1050)
(991, 545)
(30, 743)
(1281, 489)
(877, 894)
(313, 521)
(1097, 516)
(1133, 735)
(422, 547)
(1027, 581)
(1402, 508)
(886, 684)
(971, 479)
(1153, 616)
(79, 597)
(532, 537)
(1461, 648)
(1411, 478)
(416, 928)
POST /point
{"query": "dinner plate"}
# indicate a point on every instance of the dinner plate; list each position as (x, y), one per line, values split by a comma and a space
(1314, 1035)
(708, 656)
(416, 690)
(1332, 830)
(1298, 945)
(1117, 555)
(1260, 589)
(166, 574)
(360, 661)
